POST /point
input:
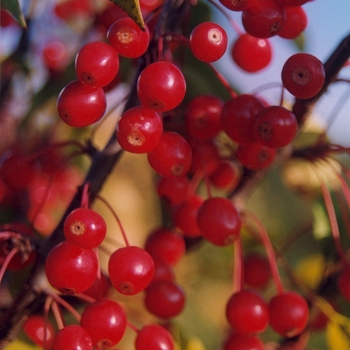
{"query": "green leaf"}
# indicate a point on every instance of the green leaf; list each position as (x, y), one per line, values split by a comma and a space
(132, 8)
(13, 7)
(299, 41)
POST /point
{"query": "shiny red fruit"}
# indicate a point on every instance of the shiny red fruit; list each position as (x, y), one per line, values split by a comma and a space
(130, 269)
(139, 130)
(219, 221)
(161, 86)
(80, 104)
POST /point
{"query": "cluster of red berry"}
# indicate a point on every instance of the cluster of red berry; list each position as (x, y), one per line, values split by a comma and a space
(204, 140)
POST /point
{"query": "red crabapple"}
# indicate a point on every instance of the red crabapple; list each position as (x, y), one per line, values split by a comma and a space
(208, 41)
(85, 228)
(161, 86)
(172, 156)
(105, 321)
(127, 38)
(303, 75)
(130, 269)
(96, 64)
(275, 126)
(250, 53)
(289, 314)
(247, 312)
(80, 104)
(219, 221)
(71, 269)
(139, 130)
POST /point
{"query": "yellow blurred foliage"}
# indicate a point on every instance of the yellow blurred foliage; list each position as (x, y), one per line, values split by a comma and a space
(195, 343)
(337, 337)
(20, 345)
(310, 270)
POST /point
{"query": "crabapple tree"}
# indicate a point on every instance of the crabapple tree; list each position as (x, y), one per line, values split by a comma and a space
(150, 201)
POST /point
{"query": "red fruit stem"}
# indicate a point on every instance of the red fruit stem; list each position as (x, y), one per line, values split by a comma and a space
(117, 218)
(51, 148)
(98, 277)
(282, 96)
(334, 224)
(345, 188)
(268, 248)
(57, 314)
(194, 183)
(65, 304)
(47, 306)
(86, 297)
(85, 196)
(7, 260)
(223, 81)
(133, 327)
(238, 273)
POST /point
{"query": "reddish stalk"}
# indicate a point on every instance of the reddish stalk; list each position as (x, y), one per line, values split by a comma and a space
(133, 327)
(334, 223)
(58, 314)
(85, 196)
(98, 277)
(238, 273)
(194, 183)
(345, 188)
(224, 82)
(264, 237)
(62, 302)
(47, 305)
(86, 298)
(117, 218)
(7, 260)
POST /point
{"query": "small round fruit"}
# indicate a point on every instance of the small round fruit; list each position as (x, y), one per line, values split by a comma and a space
(72, 337)
(295, 23)
(219, 221)
(238, 117)
(166, 244)
(247, 312)
(208, 41)
(39, 330)
(139, 130)
(97, 64)
(275, 126)
(172, 156)
(105, 321)
(127, 38)
(80, 104)
(165, 299)
(255, 156)
(263, 19)
(130, 269)
(303, 75)
(71, 269)
(154, 337)
(250, 53)
(289, 314)
(161, 86)
(85, 228)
